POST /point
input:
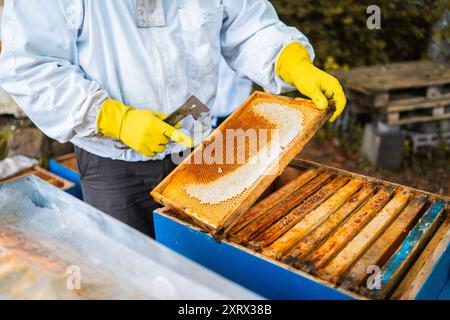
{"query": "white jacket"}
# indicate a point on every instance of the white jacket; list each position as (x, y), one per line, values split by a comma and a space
(62, 58)
(232, 90)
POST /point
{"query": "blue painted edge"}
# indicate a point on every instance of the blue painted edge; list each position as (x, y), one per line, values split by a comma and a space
(67, 174)
(439, 278)
(405, 249)
(265, 278)
(445, 293)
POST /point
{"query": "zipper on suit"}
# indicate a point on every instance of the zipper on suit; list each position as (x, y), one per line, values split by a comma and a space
(142, 17)
(162, 74)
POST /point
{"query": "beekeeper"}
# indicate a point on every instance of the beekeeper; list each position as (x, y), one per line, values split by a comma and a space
(102, 74)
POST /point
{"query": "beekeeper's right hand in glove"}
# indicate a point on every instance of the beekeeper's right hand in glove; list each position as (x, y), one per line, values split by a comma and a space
(296, 68)
(142, 130)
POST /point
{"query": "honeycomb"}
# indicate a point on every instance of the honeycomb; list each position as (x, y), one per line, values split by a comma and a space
(224, 176)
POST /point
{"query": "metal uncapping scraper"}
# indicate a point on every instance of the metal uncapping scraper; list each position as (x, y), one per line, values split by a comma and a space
(192, 107)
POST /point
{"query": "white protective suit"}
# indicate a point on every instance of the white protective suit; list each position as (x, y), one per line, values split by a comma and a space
(62, 58)
(232, 90)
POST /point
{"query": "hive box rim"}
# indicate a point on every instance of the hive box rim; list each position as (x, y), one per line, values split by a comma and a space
(67, 185)
(417, 283)
(274, 170)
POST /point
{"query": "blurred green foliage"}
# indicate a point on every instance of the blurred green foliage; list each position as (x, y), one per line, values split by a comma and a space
(4, 137)
(339, 33)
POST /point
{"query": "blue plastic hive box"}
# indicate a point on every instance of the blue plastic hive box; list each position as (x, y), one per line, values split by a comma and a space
(267, 277)
(274, 280)
(68, 174)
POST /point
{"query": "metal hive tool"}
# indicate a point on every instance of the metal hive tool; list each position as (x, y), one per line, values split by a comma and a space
(215, 192)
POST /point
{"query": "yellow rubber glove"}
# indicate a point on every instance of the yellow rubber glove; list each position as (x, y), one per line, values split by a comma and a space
(142, 130)
(295, 67)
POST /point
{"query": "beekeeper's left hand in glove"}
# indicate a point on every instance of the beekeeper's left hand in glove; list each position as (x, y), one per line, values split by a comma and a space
(296, 68)
(142, 130)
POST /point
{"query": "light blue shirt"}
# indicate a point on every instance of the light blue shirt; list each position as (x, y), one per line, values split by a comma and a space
(62, 58)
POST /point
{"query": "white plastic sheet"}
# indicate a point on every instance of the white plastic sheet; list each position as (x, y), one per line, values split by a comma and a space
(15, 164)
(54, 246)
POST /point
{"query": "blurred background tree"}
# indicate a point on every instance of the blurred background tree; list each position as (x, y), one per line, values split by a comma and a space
(339, 33)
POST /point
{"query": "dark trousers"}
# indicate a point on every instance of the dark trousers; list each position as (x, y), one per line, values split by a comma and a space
(122, 189)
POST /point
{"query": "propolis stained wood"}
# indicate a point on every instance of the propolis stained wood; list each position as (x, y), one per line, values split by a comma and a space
(346, 232)
(425, 266)
(315, 218)
(272, 200)
(345, 225)
(283, 208)
(216, 193)
(286, 223)
(385, 245)
(403, 218)
(398, 264)
(364, 238)
(303, 247)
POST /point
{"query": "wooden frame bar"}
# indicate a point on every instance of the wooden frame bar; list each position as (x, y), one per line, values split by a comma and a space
(273, 200)
(332, 246)
(312, 220)
(397, 265)
(364, 238)
(384, 247)
(306, 245)
(273, 215)
(287, 222)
